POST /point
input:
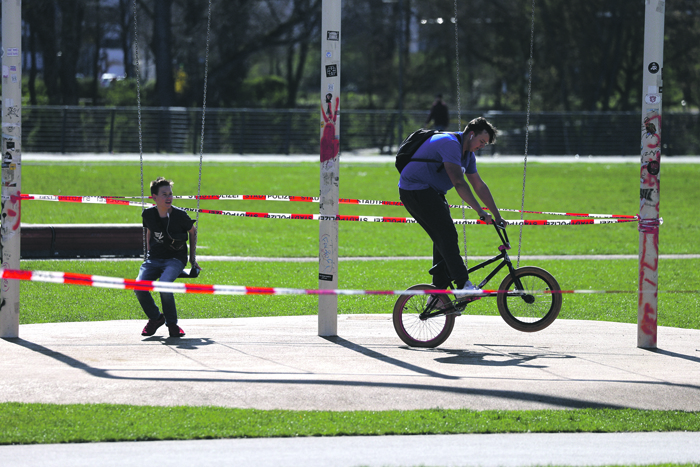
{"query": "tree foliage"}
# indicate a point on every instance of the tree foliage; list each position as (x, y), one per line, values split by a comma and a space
(587, 55)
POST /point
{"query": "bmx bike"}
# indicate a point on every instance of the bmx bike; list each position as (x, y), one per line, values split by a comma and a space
(529, 299)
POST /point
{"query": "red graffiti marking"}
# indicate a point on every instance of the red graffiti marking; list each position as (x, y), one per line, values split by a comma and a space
(330, 145)
(645, 267)
(648, 324)
(649, 180)
(13, 213)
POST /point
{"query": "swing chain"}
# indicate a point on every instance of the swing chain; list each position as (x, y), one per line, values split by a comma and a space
(527, 128)
(204, 111)
(138, 105)
(459, 128)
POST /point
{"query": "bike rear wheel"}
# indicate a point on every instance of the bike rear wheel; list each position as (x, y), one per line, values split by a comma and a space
(533, 308)
(420, 332)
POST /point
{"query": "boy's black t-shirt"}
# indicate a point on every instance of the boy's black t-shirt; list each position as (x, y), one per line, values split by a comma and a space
(168, 234)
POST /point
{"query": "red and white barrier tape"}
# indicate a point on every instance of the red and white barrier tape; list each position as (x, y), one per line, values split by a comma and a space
(369, 202)
(172, 287)
(273, 215)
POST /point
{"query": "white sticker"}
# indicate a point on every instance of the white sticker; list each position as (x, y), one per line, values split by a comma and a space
(14, 78)
(653, 89)
(331, 87)
(652, 98)
(12, 52)
(5, 71)
(9, 102)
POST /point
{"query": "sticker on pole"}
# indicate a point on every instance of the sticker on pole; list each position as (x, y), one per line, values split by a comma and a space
(653, 167)
(652, 98)
(331, 71)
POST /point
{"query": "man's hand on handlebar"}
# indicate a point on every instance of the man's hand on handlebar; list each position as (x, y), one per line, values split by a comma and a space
(499, 222)
(486, 217)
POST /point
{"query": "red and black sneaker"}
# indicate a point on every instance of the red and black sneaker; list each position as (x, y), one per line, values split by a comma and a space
(153, 325)
(175, 330)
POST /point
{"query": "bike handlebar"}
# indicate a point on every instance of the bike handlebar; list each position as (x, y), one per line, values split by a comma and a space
(502, 234)
(500, 227)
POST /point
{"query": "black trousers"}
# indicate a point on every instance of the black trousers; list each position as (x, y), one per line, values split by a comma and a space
(432, 212)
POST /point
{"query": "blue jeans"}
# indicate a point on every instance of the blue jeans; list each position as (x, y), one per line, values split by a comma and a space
(165, 270)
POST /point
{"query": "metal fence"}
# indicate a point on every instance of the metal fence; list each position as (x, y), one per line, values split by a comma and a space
(77, 129)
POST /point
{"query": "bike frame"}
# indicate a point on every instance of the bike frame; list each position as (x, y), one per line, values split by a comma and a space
(457, 305)
(502, 256)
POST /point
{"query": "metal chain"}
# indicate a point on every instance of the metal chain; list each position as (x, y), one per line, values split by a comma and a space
(459, 128)
(204, 111)
(527, 128)
(138, 105)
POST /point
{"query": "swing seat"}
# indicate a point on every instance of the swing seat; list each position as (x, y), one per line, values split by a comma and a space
(189, 273)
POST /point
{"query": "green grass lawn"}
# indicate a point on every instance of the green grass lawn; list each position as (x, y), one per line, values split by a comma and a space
(50, 423)
(580, 187)
(593, 188)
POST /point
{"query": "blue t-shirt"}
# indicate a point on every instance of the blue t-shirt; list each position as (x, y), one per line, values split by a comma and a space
(442, 147)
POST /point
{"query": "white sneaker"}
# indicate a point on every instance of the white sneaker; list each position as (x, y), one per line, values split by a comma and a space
(469, 290)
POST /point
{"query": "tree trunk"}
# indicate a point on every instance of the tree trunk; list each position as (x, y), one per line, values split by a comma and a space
(72, 13)
(97, 31)
(124, 37)
(32, 69)
(162, 39)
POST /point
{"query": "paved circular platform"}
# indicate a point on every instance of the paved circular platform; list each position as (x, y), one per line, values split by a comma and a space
(281, 363)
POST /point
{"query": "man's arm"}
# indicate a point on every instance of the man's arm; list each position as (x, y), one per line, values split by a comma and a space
(484, 194)
(454, 171)
(193, 246)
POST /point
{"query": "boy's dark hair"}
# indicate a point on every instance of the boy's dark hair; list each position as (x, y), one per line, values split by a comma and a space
(479, 125)
(159, 182)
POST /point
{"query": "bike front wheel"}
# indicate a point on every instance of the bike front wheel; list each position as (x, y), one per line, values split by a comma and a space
(414, 328)
(535, 306)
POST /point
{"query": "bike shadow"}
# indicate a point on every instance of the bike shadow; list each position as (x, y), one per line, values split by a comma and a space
(499, 356)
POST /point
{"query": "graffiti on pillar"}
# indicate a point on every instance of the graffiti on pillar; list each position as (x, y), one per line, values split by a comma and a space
(649, 239)
(10, 221)
(650, 161)
(13, 112)
(330, 145)
(649, 281)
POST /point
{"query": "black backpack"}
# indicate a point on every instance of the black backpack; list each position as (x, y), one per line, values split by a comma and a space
(410, 145)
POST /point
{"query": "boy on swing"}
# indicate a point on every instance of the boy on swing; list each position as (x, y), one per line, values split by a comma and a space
(167, 232)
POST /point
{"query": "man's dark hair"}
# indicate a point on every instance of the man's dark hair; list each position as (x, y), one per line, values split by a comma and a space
(159, 182)
(479, 125)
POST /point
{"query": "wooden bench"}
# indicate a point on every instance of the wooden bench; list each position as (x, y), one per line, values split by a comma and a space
(48, 241)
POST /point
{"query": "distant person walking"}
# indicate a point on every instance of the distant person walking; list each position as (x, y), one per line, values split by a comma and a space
(439, 113)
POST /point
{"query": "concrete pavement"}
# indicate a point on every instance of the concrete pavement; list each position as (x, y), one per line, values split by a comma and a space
(281, 363)
(488, 450)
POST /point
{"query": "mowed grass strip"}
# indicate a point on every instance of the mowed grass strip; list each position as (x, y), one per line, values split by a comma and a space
(22, 423)
(576, 187)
